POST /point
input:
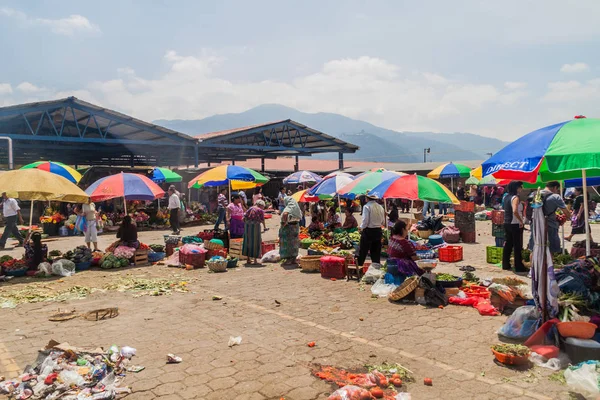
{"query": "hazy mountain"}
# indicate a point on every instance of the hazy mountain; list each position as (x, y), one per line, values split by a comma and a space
(376, 144)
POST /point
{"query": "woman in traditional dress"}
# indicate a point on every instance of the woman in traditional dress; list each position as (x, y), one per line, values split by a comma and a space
(253, 218)
(578, 218)
(402, 253)
(289, 243)
(235, 217)
(333, 221)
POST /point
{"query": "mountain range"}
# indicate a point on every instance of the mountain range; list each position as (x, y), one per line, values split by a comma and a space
(376, 143)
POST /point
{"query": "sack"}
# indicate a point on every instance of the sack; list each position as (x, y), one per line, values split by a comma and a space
(63, 268)
(583, 377)
(271, 257)
(382, 289)
(80, 224)
(451, 234)
(521, 324)
(433, 297)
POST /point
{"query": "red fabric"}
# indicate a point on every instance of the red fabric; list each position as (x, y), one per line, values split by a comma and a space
(481, 304)
(400, 248)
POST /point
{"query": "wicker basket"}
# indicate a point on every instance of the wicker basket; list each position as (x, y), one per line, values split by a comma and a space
(217, 266)
(310, 263)
(407, 287)
(425, 234)
(212, 246)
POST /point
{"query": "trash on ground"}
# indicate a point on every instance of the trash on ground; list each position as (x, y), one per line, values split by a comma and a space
(234, 341)
(173, 359)
(64, 371)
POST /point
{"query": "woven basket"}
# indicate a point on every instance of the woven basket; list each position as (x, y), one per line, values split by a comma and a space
(212, 246)
(425, 234)
(217, 266)
(405, 289)
(310, 263)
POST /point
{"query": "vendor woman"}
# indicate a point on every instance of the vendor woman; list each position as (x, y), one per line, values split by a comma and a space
(333, 221)
(128, 234)
(401, 250)
(350, 223)
(235, 217)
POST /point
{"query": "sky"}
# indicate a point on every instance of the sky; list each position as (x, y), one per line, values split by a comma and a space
(495, 68)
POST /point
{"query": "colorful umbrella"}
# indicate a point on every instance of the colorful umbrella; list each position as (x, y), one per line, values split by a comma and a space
(450, 170)
(160, 175)
(472, 181)
(328, 188)
(338, 173)
(302, 177)
(302, 196)
(229, 174)
(365, 182)
(56, 168)
(128, 186)
(414, 187)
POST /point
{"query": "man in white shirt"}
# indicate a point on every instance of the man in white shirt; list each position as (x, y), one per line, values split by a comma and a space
(11, 211)
(373, 218)
(174, 207)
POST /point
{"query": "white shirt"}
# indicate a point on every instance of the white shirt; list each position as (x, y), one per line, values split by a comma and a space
(89, 210)
(10, 207)
(174, 202)
(373, 215)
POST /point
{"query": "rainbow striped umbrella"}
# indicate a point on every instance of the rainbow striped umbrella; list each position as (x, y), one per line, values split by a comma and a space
(328, 188)
(414, 187)
(56, 168)
(223, 175)
(302, 177)
(450, 170)
(160, 175)
(128, 186)
(365, 182)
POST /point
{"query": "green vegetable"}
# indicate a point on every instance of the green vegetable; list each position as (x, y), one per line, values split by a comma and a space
(471, 277)
(447, 278)
(511, 349)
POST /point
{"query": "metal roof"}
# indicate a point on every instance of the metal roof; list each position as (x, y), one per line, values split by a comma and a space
(410, 167)
(269, 140)
(77, 132)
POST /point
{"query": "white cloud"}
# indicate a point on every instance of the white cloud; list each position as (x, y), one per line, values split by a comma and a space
(5, 88)
(67, 26)
(575, 68)
(515, 85)
(27, 87)
(573, 91)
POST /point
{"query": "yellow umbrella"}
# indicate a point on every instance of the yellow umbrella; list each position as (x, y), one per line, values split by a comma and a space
(35, 184)
(477, 173)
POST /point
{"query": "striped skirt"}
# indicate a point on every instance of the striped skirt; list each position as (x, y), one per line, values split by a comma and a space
(252, 240)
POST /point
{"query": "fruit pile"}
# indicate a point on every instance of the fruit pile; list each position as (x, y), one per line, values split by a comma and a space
(13, 264)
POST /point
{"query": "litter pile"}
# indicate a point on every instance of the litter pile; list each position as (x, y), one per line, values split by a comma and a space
(148, 287)
(66, 372)
(386, 383)
(40, 293)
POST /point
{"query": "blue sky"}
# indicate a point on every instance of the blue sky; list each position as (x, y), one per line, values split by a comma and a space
(499, 69)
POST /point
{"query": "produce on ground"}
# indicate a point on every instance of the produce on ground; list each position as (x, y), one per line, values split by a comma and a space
(511, 349)
(14, 265)
(81, 254)
(470, 277)
(149, 287)
(111, 261)
(447, 278)
(157, 248)
(570, 304)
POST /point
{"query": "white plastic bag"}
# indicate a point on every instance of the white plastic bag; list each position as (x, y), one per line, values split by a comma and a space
(271, 257)
(63, 268)
(349, 392)
(373, 274)
(45, 268)
(555, 364)
(403, 396)
(234, 341)
(583, 376)
(382, 289)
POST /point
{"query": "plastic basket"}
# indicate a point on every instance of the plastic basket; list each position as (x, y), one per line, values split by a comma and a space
(207, 235)
(156, 256)
(196, 260)
(218, 252)
(232, 263)
(498, 231)
(466, 206)
(451, 253)
(266, 247)
(493, 254)
(83, 266)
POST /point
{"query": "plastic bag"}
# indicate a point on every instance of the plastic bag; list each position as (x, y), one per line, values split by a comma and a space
(192, 249)
(80, 224)
(271, 257)
(403, 396)
(45, 268)
(382, 289)
(349, 392)
(583, 376)
(71, 378)
(555, 364)
(373, 274)
(63, 268)
(234, 341)
(521, 324)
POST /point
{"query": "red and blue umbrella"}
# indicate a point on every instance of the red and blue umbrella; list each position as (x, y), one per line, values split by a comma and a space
(450, 170)
(128, 186)
(56, 168)
(328, 188)
(365, 182)
(302, 177)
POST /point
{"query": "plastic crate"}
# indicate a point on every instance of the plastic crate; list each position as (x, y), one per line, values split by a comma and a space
(500, 242)
(498, 217)
(196, 260)
(493, 254)
(468, 237)
(498, 231)
(207, 235)
(265, 247)
(451, 253)
(466, 206)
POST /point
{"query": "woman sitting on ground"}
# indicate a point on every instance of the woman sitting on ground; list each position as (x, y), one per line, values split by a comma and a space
(128, 234)
(315, 224)
(350, 223)
(35, 251)
(402, 251)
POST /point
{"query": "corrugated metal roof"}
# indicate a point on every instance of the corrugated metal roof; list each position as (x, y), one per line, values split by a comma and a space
(411, 167)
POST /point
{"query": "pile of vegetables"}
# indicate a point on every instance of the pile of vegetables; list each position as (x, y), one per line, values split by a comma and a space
(559, 260)
(81, 254)
(470, 277)
(4, 259)
(526, 255)
(447, 278)
(570, 304)
(110, 261)
(14, 265)
(512, 349)
(157, 248)
(310, 241)
(343, 239)
(124, 252)
(355, 236)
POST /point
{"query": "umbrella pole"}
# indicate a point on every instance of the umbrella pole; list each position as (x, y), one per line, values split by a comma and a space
(562, 227)
(340, 208)
(125, 205)
(411, 214)
(31, 217)
(586, 213)
(452, 184)
(544, 274)
(386, 214)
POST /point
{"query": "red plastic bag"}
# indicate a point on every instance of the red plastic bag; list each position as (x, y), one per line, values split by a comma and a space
(485, 307)
(469, 301)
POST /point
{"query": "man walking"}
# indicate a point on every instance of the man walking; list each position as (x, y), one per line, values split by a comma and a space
(222, 205)
(373, 218)
(11, 210)
(174, 208)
